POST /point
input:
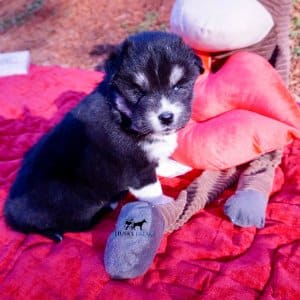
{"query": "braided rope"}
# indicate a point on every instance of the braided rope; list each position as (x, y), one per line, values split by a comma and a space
(204, 189)
(260, 173)
(210, 185)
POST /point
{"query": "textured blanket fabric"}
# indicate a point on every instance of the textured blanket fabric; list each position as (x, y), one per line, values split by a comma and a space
(208, 258)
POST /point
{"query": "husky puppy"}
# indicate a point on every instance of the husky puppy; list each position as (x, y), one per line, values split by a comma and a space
(111, 142)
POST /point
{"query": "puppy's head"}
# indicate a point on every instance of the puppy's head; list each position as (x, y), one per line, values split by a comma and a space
(151, 76)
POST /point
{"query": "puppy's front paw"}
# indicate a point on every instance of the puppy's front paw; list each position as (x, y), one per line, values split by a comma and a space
(247, 208)
(171, 168)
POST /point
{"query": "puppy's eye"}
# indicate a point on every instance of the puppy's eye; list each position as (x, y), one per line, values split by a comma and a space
(176, 88)
(139, 93)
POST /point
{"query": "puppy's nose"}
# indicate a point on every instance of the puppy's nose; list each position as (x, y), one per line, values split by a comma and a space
(166, 118)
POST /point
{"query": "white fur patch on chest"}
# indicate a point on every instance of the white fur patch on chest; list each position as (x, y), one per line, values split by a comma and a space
(159, 146)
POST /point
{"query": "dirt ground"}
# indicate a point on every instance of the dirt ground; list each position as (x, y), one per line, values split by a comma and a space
(71, 32)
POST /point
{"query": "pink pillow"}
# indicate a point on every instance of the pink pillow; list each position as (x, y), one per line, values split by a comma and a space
(239, 113)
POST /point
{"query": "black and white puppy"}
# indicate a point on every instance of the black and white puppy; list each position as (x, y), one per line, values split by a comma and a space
(111, 142)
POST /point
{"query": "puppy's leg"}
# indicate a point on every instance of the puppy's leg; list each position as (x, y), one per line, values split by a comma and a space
(116, 199)
(112, 205)
(25, 216)
(52, 209)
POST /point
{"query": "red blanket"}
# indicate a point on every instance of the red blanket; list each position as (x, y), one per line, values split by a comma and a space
(208, 258)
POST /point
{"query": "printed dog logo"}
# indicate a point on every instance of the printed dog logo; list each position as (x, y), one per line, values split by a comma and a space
(130, 224)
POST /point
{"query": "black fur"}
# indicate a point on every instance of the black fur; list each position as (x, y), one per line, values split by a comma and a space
(72, 174)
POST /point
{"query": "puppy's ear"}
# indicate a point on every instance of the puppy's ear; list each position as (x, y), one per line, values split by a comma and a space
(114, 61)
(198, 63)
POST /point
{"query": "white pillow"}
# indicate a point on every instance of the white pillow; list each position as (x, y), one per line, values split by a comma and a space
(220, 25)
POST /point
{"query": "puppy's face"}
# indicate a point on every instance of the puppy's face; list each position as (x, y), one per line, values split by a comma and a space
(152, 75)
